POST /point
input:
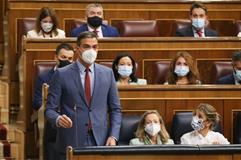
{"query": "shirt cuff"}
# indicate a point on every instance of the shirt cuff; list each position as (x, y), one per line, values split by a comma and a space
(114, 138)
(57, 120)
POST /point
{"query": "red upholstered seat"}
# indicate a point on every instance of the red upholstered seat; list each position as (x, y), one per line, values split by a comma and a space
(23, 26)
(138, 28)
(43, 66)
(237, 26)
(220, 69)
(182, 23)
(160, 71)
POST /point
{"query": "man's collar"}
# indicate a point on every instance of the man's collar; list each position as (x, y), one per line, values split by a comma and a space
(91, 29)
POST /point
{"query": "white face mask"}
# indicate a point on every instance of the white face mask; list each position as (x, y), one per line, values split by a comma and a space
(47, 27)
(125, 71)
(198, 23)
(237, 75)
(197, 123)
(89, 56)
(181, 71)
(152, 128)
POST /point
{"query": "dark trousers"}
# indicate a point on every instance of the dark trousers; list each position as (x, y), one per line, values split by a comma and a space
(89, 141)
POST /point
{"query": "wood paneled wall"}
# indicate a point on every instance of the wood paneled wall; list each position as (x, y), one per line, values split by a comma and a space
(2, 9)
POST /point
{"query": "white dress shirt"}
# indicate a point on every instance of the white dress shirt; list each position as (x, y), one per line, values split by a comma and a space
(195, 32)
(99, 31)
(195, 137)
(82, 75)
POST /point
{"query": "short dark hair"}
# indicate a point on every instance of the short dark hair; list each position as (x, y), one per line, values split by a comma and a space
(198, 5)
(84, 35)
(236, 56)
(115, 66)
(43, 13)
(65, 46)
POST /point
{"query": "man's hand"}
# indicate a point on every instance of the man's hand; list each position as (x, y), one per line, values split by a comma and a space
(111, 141)
(65, 121)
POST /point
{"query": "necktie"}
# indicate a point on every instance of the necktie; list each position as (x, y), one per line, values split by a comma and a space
(200, 33)
(88, 93)
(87, 86)
(96, 32)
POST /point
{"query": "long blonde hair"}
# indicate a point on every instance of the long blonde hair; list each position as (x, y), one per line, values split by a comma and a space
(140, 132)
(210, 112)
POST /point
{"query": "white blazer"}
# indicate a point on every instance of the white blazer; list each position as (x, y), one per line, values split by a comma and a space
(34, 34)
(239, 34)
(196, 138)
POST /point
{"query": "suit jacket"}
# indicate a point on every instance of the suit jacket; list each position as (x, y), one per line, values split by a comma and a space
(50, 132)
(34, 34)
(107, 31)
(229, 79)
(188, 32)
(42, 78)
(67, 92)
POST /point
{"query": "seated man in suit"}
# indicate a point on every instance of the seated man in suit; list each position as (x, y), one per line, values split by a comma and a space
(64, 56)
(94, 15)
(198, 17)
(235, 77)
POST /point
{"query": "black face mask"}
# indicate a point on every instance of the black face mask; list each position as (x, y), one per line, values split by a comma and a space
(63, 63)
(94, 21)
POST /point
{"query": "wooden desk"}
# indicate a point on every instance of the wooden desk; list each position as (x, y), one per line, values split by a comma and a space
(161, 152)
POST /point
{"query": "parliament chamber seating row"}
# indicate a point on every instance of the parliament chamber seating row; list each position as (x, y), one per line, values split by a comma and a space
(181, 124)
(145, 57)
(160, 69)
(139, 28)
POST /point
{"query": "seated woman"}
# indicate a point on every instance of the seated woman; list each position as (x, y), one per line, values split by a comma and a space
(46, 25)
(182, 70)
(151, 130)
(124, 68)
(204, 119)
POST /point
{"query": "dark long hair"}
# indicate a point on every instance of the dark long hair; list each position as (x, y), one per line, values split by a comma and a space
(115, 66)
(43, 13)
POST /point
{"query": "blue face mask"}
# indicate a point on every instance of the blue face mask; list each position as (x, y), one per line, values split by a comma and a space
(181, 71)
(125, 71)
(198, 23)
(238, 75)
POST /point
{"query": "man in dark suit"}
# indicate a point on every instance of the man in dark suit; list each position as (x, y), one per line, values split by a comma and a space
(87, 97)
(198, 17)
(94, 16)
(64, 55)
(235, 77)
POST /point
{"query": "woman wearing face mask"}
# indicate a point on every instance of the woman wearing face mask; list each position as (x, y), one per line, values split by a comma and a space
(46, 25)
(124, 68)
(182, 70)
(151, 130)
(204, 119)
